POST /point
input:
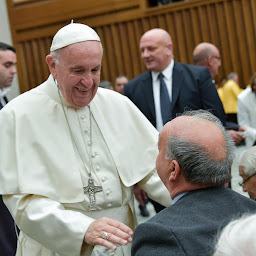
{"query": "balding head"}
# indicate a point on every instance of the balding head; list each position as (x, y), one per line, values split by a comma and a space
(156, 49)
(199, 143)
(207, 55)
(159, 33)
(200, 132)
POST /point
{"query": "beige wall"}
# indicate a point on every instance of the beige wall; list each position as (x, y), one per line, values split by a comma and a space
(5, 37)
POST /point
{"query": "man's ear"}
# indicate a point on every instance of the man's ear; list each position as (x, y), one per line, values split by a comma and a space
(170, 47)
(52, 65)
(209, 61)
(173, 170)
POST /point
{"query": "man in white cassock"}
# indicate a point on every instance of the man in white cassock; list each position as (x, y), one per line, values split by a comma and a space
(71, 153)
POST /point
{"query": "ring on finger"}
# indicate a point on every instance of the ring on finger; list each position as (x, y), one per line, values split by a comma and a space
(104, 235)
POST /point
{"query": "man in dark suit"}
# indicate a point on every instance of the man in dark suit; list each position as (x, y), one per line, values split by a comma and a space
(194, 163)
(188, 87)
(8, 241)
(208, 55)
(7, 70)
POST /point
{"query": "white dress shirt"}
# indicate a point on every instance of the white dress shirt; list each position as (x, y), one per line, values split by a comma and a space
(156, 91)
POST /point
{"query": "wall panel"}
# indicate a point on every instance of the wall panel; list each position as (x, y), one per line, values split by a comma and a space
(229, 24)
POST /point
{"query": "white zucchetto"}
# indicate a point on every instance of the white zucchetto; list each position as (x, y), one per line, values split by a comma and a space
(73, 33)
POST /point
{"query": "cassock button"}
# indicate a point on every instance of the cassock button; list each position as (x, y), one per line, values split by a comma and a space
(109, 205)
(93, 155)
(108, 192)
(82, 117)
(97, 168)
(89, 143)
(86, 130)
(103, 179)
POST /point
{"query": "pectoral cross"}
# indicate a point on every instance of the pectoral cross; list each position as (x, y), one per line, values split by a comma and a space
(91, 190)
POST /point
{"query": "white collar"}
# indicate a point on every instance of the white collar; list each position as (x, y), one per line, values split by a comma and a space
(167, 72)
(4, 91)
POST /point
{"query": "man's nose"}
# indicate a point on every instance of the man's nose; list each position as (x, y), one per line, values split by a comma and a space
(13, 69)
(145, 53)
(87, 80)
(244, 188)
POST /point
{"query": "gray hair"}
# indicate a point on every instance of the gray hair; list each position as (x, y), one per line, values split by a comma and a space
(238, 238)
(202, 56)
(56, 54)
(248, 161)
(232, 75)
(197, 165)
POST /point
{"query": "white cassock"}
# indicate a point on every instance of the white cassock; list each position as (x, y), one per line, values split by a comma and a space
(246, 114)
(42, 175)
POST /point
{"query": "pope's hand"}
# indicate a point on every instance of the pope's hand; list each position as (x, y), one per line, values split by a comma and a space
(108, 232)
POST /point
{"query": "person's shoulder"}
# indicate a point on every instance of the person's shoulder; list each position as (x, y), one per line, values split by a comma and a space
(194, 71)
(110, 97)
(138, 78)
(245, 93)
(190, 67)
(235, 198)
(24, 99)
(107, 94)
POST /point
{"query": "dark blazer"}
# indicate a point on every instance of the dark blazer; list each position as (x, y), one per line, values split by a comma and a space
(8, 240)
(189, 227)
(192, 89)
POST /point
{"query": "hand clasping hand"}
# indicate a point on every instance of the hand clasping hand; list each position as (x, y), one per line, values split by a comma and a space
(108, 232)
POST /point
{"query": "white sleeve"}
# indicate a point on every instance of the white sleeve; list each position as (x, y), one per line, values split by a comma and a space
(155, 189)
(49, 223)
(244, 119)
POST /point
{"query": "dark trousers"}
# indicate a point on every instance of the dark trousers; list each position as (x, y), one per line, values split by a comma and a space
(158, 207)
(8, 239)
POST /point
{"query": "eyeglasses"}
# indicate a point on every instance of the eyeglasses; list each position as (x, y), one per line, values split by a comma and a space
(217, 57)
(243, 182)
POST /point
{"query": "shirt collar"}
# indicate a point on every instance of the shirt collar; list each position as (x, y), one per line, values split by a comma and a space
(4, 91)
(167, 72)
(177, 197)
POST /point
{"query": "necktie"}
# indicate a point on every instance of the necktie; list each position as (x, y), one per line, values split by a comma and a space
(164, 100)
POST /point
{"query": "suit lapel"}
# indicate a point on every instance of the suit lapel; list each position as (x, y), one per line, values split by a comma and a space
(147, 88)
(177, 82)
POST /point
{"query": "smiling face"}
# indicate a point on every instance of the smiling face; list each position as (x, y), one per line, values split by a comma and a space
(156, 49)
(7, 67)
(78, 72)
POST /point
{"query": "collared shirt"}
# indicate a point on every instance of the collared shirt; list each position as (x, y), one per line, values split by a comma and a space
(156, 91)
(177, 197)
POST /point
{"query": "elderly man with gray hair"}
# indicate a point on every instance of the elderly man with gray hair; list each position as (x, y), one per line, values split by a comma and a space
(194, 163)
(247, 170)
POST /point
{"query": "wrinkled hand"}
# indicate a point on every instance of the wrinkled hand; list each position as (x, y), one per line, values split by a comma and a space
(117, 233)
(140, 195)
(237, 138)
